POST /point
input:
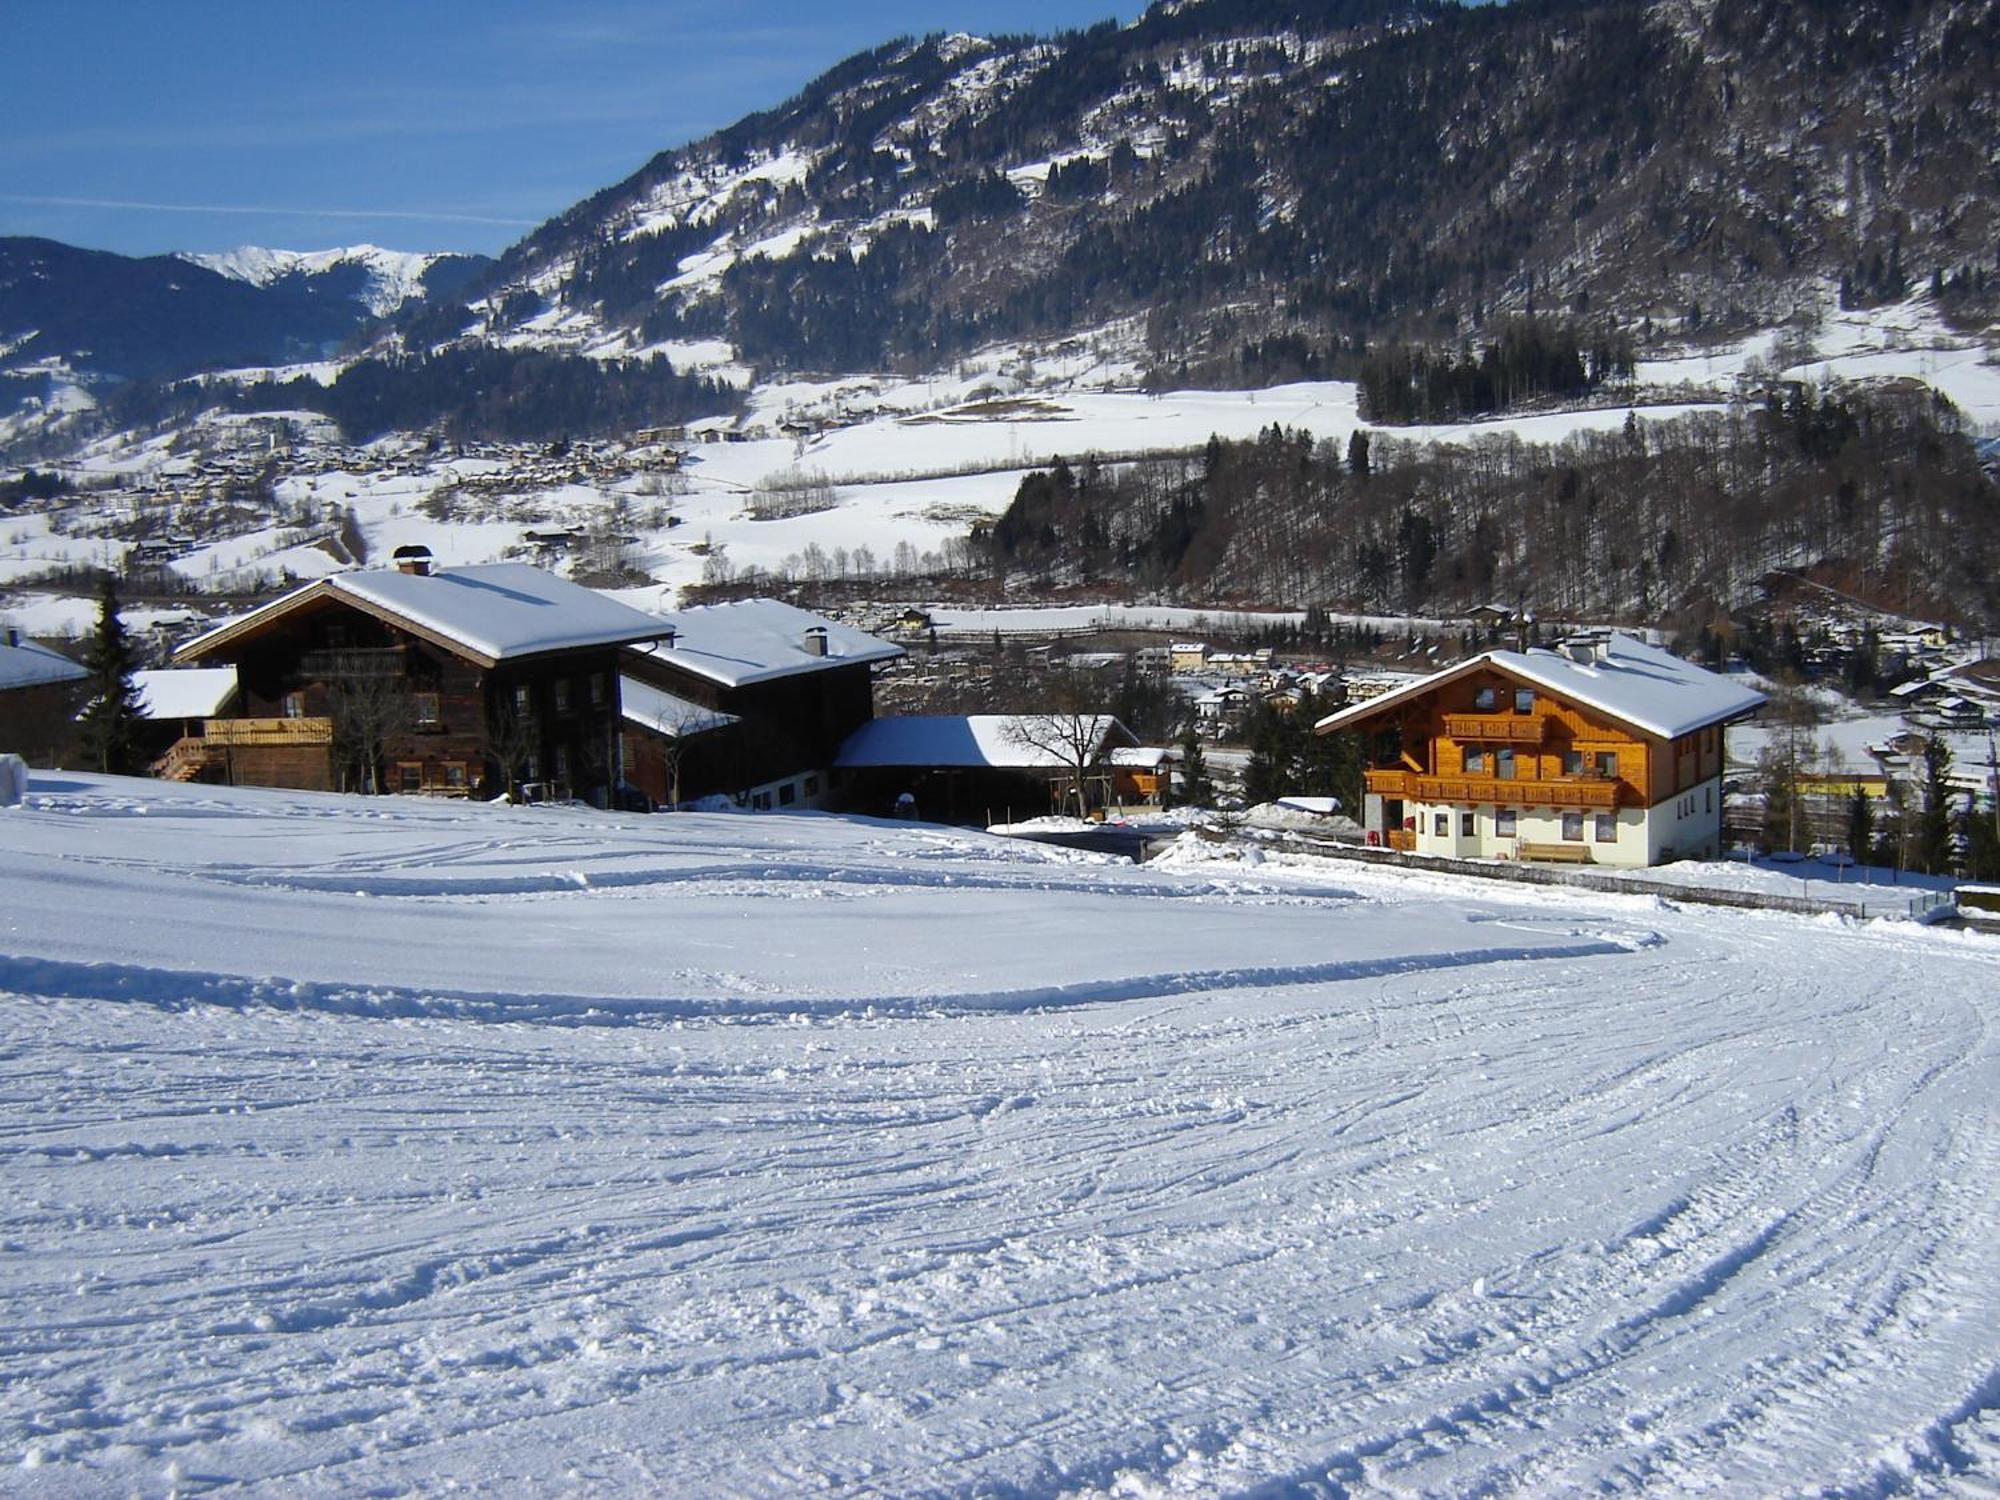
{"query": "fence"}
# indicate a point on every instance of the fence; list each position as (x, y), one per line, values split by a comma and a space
(1917, 905)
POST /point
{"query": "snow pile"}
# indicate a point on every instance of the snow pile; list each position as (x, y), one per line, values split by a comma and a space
(394, 1146)
(13, 780)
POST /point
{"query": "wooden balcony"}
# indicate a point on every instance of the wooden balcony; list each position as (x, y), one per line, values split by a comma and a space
(267, 733)
(1393, 783)
(1401, 838)
(1572, 791)
(1504, 729)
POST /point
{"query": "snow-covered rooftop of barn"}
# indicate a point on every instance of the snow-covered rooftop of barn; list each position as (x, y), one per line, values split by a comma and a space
(184, 692)
(495, 610)
(1626, 679)
(30, 665)
(755, 640)
(666, 713)
(994, 741)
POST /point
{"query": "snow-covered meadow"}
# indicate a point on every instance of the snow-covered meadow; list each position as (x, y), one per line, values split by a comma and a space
(391, 1146)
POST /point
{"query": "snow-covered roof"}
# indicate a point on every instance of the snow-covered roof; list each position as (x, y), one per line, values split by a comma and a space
(493, 612)
(184, 692)
(30, 665)
(1140, 757)
(666, 713)
(1009, 742)
(1624, 679)
(755, 640)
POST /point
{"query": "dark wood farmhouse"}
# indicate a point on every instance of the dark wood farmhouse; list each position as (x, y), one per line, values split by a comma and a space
(461, 681)
(41, 692)
(749, 700)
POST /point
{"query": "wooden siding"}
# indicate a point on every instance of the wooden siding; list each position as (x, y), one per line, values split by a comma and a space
(1442, 729)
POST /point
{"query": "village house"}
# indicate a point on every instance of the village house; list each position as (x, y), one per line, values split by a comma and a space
(750, 700)
(464, 681)
(1604, 750)
(41, 692)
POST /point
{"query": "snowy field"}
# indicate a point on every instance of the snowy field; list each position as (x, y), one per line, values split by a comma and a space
(389, 1147)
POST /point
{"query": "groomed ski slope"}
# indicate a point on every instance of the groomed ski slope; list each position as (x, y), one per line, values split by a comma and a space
(382, 1146)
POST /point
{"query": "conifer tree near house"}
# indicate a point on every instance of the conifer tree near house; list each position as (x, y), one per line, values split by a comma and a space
(110, 722)
(1934, 825)
(1196, 788)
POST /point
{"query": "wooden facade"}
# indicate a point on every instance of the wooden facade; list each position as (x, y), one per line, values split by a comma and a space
(334, 697)
(788, 731)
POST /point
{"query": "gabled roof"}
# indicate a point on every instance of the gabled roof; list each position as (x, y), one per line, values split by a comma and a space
(755, 640)
(184, 692)
(490, 613)
(1627, 680)
(29, 665)
(982, 741)
(667, 714)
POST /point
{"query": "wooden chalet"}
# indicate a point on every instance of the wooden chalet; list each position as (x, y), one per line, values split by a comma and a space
(460, 681)
(41, 692)
(1604, 750)
(749, 700)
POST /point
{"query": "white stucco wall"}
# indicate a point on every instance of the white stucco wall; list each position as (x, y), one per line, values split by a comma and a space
(1682, 827)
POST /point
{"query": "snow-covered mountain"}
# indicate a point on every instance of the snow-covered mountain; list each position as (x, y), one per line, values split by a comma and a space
(1253, 187)
(389, 278)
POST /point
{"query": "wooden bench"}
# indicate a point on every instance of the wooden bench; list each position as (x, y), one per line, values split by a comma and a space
(1559, 854)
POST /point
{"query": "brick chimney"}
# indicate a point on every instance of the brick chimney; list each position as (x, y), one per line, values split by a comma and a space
(414, 560)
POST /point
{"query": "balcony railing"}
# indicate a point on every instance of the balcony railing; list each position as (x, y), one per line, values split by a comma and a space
(1386, 783)
(1580, 791)
(265, 733)
(1506, 729)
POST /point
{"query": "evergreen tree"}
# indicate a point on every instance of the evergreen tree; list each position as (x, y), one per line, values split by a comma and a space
(1860, 826)
(110, 722)
(1196, 788)
(1934, 826)
(1982, 842)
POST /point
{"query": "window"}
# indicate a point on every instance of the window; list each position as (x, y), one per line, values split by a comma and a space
(788, 794)
(1573, 827)
(1441, 824)
(812, 786)
(411, 775)
(425, 707)
(1708, 799)
(1475, 762)
(1607, 764)
(562, 763)
(1607, 828)
(1524, 700)
(1572, 762)
(1505, 823)
(1483, 701)
(760, 801)
(1467, 827)
(295, 705)
(562, 695)
(597, 692)
(454, 777)
(1505, 760)
(523, 704)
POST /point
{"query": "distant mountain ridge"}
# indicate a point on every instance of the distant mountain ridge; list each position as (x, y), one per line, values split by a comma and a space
(166, 316)
(390, 278)
(1253, 186)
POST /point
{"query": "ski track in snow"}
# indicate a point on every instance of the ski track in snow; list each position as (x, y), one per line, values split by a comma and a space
(807, 1153)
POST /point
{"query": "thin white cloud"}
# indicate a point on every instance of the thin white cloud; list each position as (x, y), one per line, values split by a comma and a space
(287, 213)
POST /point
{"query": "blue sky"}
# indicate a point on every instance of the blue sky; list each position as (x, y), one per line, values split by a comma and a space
(147, 127)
